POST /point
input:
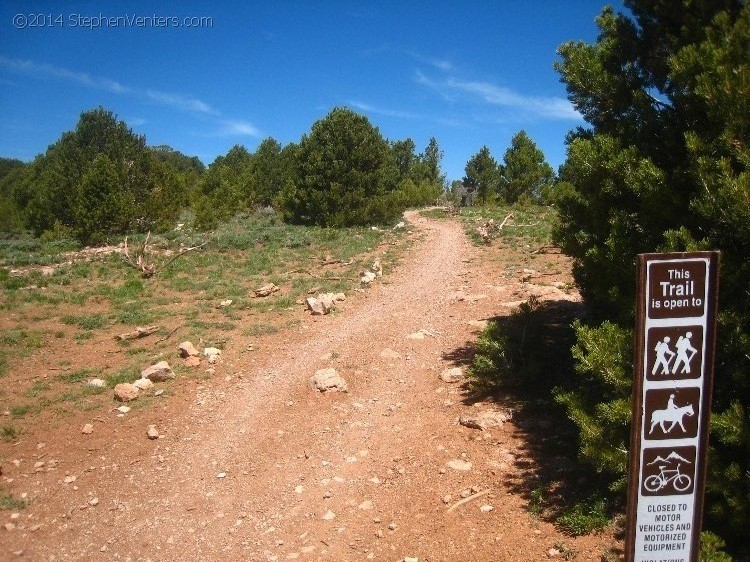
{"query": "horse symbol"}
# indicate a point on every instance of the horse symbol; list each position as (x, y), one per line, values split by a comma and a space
(673, 415)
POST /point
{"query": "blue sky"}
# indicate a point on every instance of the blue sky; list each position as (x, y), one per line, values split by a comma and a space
(467, 73)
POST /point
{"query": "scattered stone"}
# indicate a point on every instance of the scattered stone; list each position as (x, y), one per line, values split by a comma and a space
(143, 384)
(192, 361)
(299, 489)
(552, 552)
(266, 290)
(388, 353)
(152, 432)
(159, 392)
(367, 277)
(313, 290)
(376, 268)
(458, 464)
(328, 379)
(478, 324)
(339, 297)
(367, 504)
(452, 375)
(187, 349)
(322, 305)
(212, 354)
(411, 559)
(138, 333)
(158, 372)
(123, 409)
(402, 224)
(416, 335)
(329, 515)
(35, 528)
(93, 502)
(70, 479)
(87, 429)
(486, 508)
(392, 526)
(10, 526)
(125, 392)
(221, 475)
(97, 383)
(447, 499)
(225, 303)
(485, 420)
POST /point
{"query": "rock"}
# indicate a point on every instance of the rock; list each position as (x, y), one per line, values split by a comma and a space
(192, 361)
(458, 464)
(221, 475)
(329, 515)
(266, 290)
(485, 420)
(225, 303)
(187, 349)
(125, 392)
(328, 379)
(213, 359)
(93, 502)
(377, 269)
(339, 297)
(123, 409)
(478, 324)
(411, 559)
(452, 375)
(152, 432)
(158, 372)
(322, 305)
(367, 277)
(416, 335)
(70, 479)
(9, 526)
(402, 224)
(367, 504)
(211, 352)
(552, 552)
(97, 383)
(143, 384)
(388, 353)
(486, 508)
(88, 429)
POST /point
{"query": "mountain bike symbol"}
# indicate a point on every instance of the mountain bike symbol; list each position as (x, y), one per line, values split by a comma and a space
(679, 481)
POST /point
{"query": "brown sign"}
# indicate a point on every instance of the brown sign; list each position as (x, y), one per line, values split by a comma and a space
(675, 339)
(676, 289)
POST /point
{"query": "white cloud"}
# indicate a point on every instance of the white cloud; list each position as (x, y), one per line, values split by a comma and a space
(238, 128)
(546, 107)
(441, 64)
(180, 102)
(367, 108)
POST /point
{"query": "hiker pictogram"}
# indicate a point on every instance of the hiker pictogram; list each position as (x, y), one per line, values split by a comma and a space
(674, 353)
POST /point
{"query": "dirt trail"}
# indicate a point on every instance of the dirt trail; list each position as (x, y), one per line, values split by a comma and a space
(257, 466)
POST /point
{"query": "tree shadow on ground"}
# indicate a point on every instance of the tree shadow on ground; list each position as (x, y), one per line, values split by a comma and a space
(533, 358)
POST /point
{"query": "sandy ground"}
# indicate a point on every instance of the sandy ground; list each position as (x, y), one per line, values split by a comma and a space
(253, 464)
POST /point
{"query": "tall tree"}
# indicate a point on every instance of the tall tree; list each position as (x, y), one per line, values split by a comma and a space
(342, 174)
(526, 172)
(54, 181)
(482, 175)
(267, 170)
(663, 166)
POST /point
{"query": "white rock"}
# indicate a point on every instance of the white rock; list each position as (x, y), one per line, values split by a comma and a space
(328, 379)
(158, 372)
(452, 375)
(367, 504)
(388, 353)
(143, 384)
(123, 409)
(367, 277)
(209, 351)
(225, 303)
(97, 383)
(329, 515)
(486, 508)
(94, 502)
(70, 479)
(458, 464)
(87, 429)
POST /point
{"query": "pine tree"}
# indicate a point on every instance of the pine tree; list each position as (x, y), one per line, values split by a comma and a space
(663, 167)
(526, 173)
(483, 175)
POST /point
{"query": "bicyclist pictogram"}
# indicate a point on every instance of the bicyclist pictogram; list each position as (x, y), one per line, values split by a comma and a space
(674, 353)
(668, 471)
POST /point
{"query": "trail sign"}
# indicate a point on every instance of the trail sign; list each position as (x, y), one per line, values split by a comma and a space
(673, 380)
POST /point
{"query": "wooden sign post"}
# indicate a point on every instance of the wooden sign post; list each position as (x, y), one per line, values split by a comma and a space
(674, 359)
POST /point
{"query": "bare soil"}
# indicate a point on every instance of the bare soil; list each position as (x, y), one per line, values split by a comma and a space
(252, 464)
